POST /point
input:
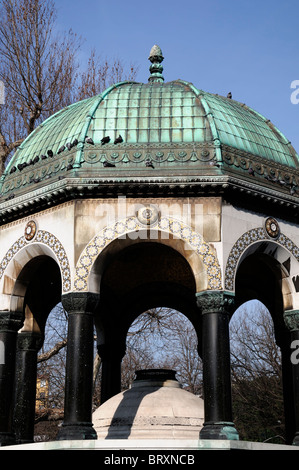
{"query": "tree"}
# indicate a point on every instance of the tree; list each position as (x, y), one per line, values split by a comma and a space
(159, 338)
(100, 74)
(167, 339)
(256, 375)
(40, 70)
(37, 69)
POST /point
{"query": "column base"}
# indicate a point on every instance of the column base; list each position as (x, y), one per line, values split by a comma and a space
(221, 430)
(296, 439)
(76, 432)
(7, 439)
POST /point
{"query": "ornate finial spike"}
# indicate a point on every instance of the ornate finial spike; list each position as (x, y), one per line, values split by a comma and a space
(156, 68)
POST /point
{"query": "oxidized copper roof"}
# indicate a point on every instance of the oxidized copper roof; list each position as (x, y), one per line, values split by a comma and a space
(173, 128)
(173, 112)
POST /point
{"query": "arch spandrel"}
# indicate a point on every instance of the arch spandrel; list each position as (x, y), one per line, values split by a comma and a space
(168, 231)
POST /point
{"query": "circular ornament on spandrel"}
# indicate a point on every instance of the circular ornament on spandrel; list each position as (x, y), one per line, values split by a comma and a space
(148, 215)
(272, 227)
(30, 230)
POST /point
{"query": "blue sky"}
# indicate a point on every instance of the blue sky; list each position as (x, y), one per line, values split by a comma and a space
(250, 48)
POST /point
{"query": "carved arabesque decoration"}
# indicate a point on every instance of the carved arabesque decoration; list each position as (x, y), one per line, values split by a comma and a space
(248, 238)
(46, 238)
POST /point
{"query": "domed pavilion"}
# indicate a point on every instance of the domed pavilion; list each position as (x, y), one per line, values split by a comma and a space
(147, 195)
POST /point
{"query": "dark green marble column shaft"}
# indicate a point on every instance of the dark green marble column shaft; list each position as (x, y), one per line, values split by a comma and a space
(79, 367)
(28, 345)
(291, 318)
(215, 307)
(10, 323)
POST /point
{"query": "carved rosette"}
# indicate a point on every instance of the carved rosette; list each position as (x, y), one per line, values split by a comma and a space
(30, 230)
(272, 227)
(148, 215)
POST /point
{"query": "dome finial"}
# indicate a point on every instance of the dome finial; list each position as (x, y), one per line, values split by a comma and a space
(156, 68)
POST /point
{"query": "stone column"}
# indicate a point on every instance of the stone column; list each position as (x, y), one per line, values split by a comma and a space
(291, 318)
(10, 323)
(79, 366)
(111, 356)
(216, 307)
(28, 345)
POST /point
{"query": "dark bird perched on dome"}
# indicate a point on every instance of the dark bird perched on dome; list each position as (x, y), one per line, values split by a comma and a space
(108, 165)
(21, 166)
(74, 143)
(271, 178)
(149, 163)
(105, 140)
(229, 95)
(89, 140)
(61, 149)
(292, 190)
(69, 146)
(50, 153)
(214, 163)
(118, 140)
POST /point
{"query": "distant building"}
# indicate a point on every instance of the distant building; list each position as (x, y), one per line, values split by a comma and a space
(42, 394)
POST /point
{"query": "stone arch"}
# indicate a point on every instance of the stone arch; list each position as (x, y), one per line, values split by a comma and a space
(23, 250)
(252, 238)
(163, 225)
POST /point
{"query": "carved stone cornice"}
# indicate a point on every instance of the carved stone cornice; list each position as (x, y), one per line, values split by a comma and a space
(216, 302)
(271, 171)
(193, 178)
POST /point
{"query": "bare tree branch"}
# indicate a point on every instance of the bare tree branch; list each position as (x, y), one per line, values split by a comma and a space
(46, 356)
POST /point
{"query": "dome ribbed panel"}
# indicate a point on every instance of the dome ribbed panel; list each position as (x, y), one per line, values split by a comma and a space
(151, 113)
(240, 127)
(58, 130)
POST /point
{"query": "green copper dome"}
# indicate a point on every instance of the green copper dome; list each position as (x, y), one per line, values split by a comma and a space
(174, 112)
(173, 128)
